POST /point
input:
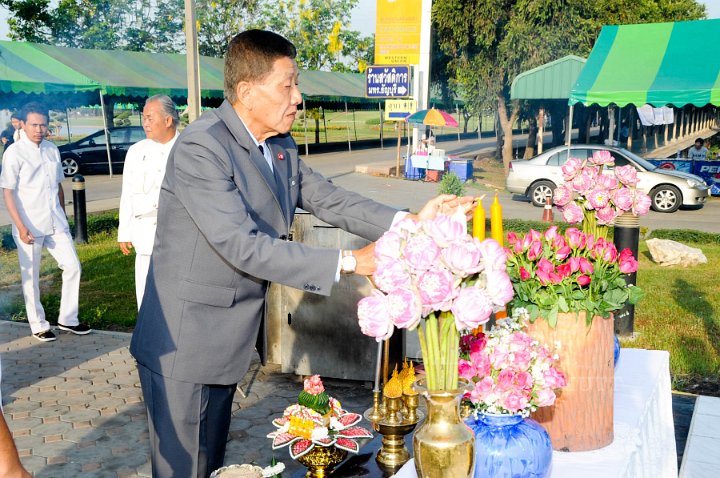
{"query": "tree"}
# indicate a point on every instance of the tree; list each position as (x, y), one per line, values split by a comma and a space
(220, 20)
(320, 31)
(492, 41)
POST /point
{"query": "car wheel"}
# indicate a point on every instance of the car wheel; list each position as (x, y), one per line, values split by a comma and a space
(666, 198)
(539, 191)
(70, 167)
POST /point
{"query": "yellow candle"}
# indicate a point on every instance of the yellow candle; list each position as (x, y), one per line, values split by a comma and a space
(478, 227)
(496, 227)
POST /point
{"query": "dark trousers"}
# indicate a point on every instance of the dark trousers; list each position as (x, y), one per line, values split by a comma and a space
(188, 424)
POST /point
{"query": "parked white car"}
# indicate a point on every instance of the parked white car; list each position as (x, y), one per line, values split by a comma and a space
(538, 177)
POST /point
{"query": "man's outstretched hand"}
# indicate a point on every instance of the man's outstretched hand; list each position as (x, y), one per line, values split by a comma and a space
(447, 204)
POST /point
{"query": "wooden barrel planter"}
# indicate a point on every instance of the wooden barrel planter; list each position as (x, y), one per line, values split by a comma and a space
(582, 417)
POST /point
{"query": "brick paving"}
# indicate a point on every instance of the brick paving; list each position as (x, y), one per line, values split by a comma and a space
(75, 407)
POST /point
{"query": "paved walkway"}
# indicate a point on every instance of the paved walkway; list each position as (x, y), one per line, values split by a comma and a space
(75, 407)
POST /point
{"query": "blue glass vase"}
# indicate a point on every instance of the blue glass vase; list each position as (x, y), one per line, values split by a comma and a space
(509, 446)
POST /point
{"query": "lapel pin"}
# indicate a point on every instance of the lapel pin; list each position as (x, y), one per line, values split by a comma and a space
(281, 157)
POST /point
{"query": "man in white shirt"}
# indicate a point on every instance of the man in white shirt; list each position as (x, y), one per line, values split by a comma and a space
(699, 151)
(31, 178)
(142, 176)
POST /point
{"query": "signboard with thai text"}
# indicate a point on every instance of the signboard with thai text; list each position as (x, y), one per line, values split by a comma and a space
(398, 110)
(397, 32)
(387, 81)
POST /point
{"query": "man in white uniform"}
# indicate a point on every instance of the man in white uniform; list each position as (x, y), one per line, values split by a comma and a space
(31, 179)
(142, 176)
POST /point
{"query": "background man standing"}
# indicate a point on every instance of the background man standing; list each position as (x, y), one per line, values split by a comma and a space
(11, 132)
(233, 181)
(31, 178)
(142, 176)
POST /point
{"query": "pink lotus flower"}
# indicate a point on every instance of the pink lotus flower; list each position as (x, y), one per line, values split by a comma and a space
(582, 182)
(313, 385)
(585, 266)
(606, 215)
(463, 257)
(494, 255)
(445, 229)
(562, 253)
(436, 289)
(388, 245)
(599, 198)
(391, 275)
(623, 198)
(628, 264)
(472, 308)
(499, 288)
(627, 175)
(421, 252)
(641, 203)
(534, 250)
(374, 316)
(575, 238)
(404, 307)
(602, 157)
(583, 280)
(551, 234)
(564, 270)
(606, 181)
(562, 195)
(572, 213)
(524, 274)
(571, 168)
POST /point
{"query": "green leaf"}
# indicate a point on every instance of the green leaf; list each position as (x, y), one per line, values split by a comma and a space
(562, 304)
(552, 317)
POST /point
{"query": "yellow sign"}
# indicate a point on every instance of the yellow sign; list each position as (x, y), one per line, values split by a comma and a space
(398, 110)
(397, 32)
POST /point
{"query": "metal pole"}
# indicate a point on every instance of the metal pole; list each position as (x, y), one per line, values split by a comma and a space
(568, 138)
(382, 144)
(67, 123)
(397, 159)
(78, 189)
(541, 130)
(193, 61)
(347, 128)
(307, 151)
(457, 112)
(107, 133)
(354, 125)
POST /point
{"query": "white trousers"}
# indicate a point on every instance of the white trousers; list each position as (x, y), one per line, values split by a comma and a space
(60, 246)
(142, 265)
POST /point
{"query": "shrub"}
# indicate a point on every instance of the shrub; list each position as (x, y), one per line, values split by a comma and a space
(451, 184)
(686, 235)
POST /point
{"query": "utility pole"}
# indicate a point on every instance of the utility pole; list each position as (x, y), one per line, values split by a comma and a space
(193, 61)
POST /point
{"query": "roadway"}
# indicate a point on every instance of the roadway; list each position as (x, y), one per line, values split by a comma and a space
(103, 192)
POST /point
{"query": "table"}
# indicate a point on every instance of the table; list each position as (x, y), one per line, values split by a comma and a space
(644, 444)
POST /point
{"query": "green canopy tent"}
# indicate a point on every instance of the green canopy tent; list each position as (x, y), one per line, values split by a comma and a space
(26, 73)
(549, 83)
(655, 63)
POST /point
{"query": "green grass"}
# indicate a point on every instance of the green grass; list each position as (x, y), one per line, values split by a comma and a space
(680, 312)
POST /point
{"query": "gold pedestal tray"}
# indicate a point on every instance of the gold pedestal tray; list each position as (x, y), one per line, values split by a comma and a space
(321, 460)
(393, 454)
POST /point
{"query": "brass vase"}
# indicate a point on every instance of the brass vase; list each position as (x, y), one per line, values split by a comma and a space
(443, 445)
(321, 460)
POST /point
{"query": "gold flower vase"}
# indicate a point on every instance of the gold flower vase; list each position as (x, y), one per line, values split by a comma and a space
(321, 460)
(443, 445)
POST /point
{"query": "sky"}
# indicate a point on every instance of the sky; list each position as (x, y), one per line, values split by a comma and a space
(363, 16)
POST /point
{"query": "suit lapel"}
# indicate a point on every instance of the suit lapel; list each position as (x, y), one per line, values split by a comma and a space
(256, 158)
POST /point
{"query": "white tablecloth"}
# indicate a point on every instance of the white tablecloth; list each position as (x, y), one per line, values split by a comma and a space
(644, 444)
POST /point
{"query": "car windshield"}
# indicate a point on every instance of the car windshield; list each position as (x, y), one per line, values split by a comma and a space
(644, 163)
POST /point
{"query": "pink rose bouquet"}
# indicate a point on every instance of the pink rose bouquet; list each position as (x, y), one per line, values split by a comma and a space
(509, 371)
(434, 270)
(573, 272)
(596, 198)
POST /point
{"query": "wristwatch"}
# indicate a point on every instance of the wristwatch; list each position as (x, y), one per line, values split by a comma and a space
(348, 263)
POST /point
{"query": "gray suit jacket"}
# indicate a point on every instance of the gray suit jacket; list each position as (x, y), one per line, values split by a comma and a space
(223, 221)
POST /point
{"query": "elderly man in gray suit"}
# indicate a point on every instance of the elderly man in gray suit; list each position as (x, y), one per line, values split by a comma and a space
(232, 183)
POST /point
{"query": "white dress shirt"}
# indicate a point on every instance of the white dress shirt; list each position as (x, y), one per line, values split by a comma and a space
(143, 175)
(34, 172)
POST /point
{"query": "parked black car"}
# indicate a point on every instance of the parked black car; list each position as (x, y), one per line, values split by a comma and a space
(89, 155)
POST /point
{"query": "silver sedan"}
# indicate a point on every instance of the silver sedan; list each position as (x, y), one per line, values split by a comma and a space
(538, 177)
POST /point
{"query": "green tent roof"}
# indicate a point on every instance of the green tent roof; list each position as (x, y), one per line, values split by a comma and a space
(656, 63)
(25, 69)
(39, 68)
(551, 81)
